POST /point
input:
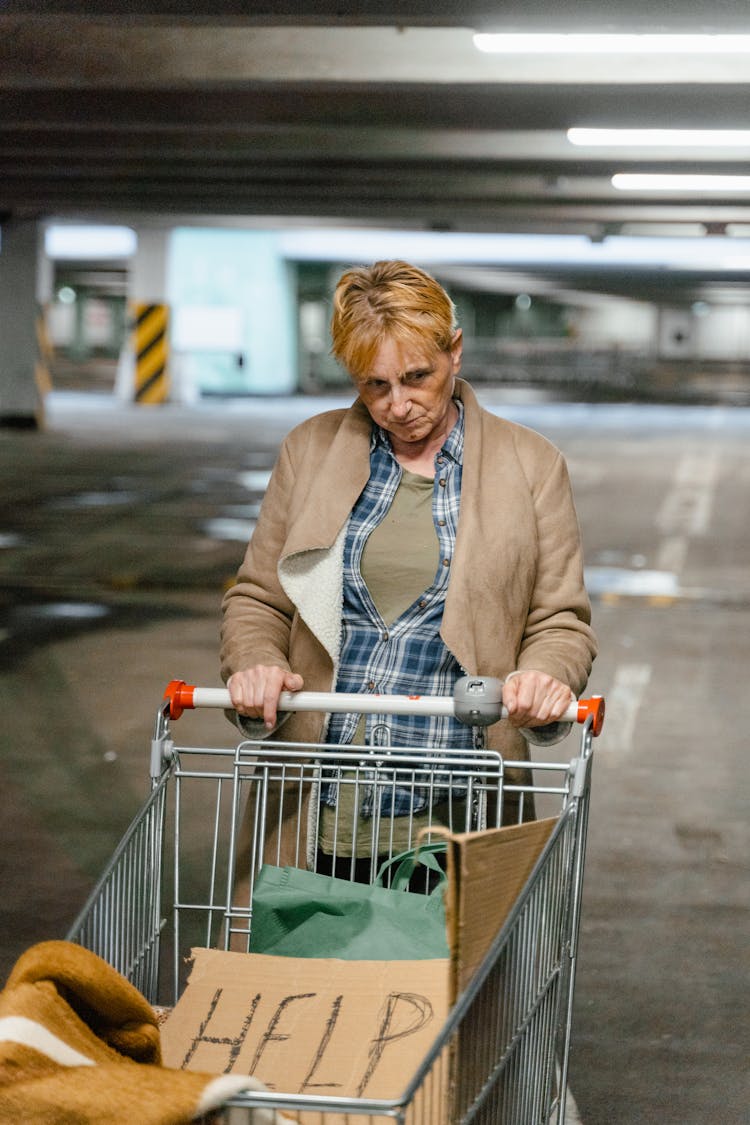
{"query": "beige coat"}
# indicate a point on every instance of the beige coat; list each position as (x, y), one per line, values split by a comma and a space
(515, 599)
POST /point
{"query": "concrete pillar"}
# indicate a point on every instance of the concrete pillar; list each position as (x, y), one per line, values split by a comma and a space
(144, 370)
(24, 378)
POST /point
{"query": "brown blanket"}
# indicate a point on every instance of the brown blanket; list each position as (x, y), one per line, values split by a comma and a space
(80, 1044)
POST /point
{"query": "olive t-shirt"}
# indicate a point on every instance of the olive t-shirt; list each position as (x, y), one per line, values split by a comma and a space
(401, 555)
(398, 564)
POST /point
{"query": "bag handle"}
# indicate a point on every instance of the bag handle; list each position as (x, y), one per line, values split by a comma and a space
(408, 860)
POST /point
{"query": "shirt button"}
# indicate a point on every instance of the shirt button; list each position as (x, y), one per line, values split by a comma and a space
(371, 685)
(446, 562)
(441, 460)
(384, 637)
(441, 482)
(441, 523)
(422, 604)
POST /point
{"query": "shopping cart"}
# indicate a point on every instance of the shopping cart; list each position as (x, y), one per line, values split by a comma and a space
(172, 885)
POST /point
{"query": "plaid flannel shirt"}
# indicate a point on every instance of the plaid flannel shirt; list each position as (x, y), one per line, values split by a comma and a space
(407, 656)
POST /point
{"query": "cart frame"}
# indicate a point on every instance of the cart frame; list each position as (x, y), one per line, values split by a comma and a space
(514, 1018)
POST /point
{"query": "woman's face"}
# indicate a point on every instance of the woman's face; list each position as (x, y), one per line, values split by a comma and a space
(409, 390)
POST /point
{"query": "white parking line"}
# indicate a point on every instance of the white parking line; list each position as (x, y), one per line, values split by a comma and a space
(686, 508)
(624, 700)
(672, 553)
(572, 1116)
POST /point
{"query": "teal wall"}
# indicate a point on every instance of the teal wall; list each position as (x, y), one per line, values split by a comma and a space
(243, 271)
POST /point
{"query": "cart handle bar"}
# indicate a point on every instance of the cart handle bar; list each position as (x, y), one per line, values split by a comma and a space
(471, 709)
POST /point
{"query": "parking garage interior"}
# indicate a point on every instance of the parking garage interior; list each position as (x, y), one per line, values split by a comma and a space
(224, 165)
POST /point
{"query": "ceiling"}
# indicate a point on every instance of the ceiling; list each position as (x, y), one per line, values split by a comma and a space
(382, 114)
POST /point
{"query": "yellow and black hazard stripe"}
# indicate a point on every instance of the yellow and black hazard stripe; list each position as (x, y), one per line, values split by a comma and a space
(44, 354)
(151, 348)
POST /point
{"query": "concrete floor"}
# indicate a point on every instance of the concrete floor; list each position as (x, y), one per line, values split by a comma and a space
(121, 527)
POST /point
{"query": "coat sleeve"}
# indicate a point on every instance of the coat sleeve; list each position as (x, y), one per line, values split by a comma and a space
(256, 613)
(558, 638)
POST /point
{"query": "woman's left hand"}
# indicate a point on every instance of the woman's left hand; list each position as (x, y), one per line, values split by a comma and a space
(533, 699)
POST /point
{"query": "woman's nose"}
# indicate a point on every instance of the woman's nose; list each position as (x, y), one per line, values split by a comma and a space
(400, 403)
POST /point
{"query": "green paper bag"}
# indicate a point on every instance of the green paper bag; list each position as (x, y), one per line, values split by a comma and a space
(300, 913)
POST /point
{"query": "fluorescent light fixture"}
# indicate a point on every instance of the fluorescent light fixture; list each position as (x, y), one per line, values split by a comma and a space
(592, 43)
(86, 243)
(648, 181)
(660, 138)
(347, 246)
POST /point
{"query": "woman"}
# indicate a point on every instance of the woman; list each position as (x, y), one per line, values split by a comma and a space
(408, 540)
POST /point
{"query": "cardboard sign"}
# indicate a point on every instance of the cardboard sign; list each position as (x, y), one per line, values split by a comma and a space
(487, 872)
(308, 1026)
(356, 1029)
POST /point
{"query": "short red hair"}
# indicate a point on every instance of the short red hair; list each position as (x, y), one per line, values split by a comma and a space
(388, 300)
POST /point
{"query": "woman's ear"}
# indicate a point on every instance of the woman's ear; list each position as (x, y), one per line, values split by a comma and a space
(457, 348)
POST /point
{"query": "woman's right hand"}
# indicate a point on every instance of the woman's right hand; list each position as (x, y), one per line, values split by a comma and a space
(255, 691)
